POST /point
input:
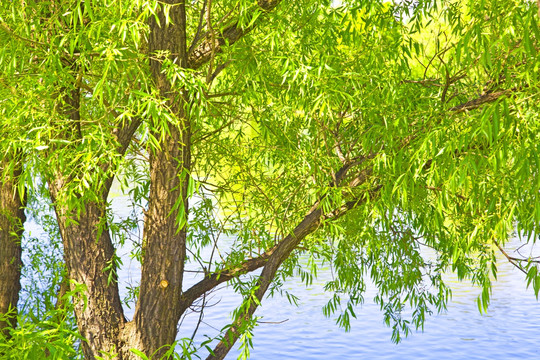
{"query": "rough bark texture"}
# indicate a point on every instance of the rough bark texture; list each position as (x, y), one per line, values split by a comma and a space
(88, 249)
(156, 316)
(86, 255)
(157, 312)
(12, 219)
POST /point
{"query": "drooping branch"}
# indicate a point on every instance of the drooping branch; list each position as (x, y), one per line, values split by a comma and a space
(514, 260)
(311, 222)
(485, 98)
(214, 43)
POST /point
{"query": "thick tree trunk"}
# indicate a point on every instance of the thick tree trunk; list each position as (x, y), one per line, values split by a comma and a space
(12, 219)
(99, 315)
(88, 250)
(156, 316)
(157, 313)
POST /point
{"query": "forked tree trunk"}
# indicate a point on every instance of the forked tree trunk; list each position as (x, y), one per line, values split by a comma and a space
(160, 304)
(12, 220)
(87, 253)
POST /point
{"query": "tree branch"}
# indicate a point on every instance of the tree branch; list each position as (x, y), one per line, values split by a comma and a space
(509, 258)
(219, 277)
(199, 28)
(213, 45)
(304, 228)
(124, 133)
(484, 98)
(514, 260)
(31, 42)
(311, 222)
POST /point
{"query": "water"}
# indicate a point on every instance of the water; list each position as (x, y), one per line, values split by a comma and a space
(509, 330)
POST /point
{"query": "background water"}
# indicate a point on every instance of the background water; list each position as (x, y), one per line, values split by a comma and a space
(509, 330)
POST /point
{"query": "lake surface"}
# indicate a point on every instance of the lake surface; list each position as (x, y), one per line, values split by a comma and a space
(509, 330)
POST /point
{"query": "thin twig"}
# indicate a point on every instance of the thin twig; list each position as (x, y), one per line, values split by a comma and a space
(213, 42)
(12, 33)
(197, 36)
(273, 322)
(510, 258)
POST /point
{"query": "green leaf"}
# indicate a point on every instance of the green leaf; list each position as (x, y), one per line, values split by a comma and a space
(139, 353)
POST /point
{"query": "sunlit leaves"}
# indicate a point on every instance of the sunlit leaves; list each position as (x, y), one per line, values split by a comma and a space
(435, 101)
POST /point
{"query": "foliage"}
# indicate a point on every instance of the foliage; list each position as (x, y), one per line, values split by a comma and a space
(411, 126)
(49, 335)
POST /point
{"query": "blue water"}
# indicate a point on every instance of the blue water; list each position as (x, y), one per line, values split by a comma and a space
(509, 330)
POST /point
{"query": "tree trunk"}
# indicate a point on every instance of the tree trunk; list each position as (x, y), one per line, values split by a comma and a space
(88, 251)
(12, 220)
(157, 313)
(99, 315)
(156, 316)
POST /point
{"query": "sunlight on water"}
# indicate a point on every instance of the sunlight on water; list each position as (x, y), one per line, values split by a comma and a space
(509, 330)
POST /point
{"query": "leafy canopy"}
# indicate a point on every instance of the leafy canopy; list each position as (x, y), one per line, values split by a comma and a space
(432, 104)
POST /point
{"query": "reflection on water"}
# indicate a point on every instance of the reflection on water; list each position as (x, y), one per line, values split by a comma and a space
(509, 330)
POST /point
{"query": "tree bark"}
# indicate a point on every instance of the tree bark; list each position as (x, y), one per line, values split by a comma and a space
(12, 220)
(164, 248)
(99, 311)
(88, 250)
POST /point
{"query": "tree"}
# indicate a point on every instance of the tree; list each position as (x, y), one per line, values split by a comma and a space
(356, 133)
(11, 219)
